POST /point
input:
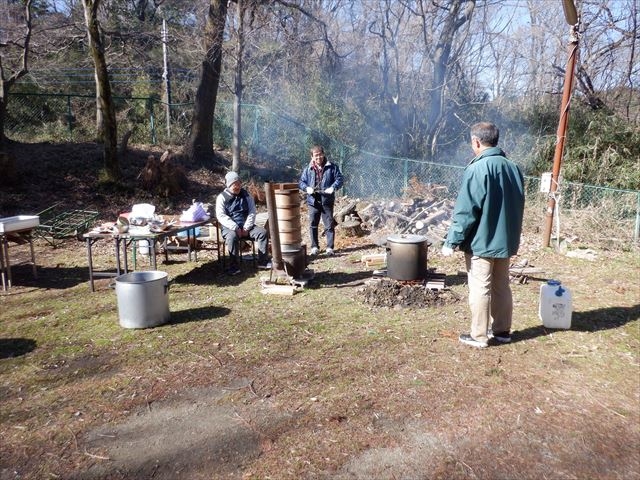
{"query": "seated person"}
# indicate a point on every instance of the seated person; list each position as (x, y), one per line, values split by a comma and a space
(236, 214)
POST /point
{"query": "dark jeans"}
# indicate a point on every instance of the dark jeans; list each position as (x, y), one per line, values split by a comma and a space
(258, 234)
(326, 212)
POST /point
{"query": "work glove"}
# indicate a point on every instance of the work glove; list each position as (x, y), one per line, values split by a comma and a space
(447, 251)
(328, 191)
(309, 190)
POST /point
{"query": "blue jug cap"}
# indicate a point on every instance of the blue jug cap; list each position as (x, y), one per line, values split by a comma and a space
(554, 282)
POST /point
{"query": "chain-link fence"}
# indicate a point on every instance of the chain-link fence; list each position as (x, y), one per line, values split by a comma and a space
(591, 213)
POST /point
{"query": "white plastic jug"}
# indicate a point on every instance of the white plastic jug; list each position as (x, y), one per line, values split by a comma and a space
(555, 305)
(143, 247)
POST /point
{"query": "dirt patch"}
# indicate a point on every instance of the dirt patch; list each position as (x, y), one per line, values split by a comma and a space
(194, 432)
(393, 294)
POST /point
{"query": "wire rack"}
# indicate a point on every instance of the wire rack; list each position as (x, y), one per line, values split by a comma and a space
(56, 225)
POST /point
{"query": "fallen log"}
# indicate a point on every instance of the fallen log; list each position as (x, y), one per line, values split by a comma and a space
(397, 215)
(343, 212)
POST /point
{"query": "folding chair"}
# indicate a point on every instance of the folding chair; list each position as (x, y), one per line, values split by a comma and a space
(242, 244)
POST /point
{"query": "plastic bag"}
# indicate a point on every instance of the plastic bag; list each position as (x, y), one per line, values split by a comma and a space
(195, 213)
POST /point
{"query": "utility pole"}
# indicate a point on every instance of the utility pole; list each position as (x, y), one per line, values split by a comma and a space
(165, 78)
(571, 17)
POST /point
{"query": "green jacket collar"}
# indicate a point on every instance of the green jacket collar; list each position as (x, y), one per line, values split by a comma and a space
(489, 152)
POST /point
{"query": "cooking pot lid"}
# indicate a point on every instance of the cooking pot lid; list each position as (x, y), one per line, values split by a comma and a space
(406, 238)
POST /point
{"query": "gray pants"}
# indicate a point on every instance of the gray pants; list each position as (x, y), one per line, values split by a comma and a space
(490, 298)
(257, 234)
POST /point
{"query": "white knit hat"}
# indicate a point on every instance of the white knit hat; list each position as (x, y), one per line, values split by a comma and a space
(231, 178)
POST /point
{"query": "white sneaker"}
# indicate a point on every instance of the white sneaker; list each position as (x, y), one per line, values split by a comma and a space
(314, 251)
(329, 251)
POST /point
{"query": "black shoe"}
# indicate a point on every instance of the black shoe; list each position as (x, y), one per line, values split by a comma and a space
(263, 262)
(502, 337)
(469, 340)
(232, 270)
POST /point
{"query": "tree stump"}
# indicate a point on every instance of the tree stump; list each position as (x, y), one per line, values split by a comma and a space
(163, 176)
(352, 226)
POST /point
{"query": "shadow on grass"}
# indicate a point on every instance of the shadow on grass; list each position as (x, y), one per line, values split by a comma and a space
(587, 321)
(16, 347)
(604, 318)
(55, 278)
(197, 314)
(339, 279)
(211, 273)
(452, 280)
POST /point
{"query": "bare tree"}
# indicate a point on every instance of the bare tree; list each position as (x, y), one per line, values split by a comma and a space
(388, 26)
(608, 66)
(453, 15)
(106, 125)
(9, 76)
(200, 144)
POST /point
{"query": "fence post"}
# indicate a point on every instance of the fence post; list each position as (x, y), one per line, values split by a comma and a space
(152, 120)
(406, 173)
(69, 117)
(636, 233)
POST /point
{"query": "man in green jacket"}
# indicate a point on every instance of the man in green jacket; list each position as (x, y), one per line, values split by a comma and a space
(486, 226)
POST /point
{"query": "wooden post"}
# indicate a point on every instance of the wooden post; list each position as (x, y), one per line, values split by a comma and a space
(561, 134)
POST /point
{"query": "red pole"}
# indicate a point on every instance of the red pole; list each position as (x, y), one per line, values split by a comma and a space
(561, 134)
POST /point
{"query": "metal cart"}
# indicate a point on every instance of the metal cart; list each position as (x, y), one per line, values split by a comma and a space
(56, 224)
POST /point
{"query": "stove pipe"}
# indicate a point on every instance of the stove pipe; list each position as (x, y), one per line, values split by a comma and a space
(276, 252)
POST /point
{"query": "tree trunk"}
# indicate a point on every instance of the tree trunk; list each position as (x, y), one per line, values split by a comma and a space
(7, 81)
(237, 98)
(200, 145)
(459, 14)
(3, 113)
(106, 112)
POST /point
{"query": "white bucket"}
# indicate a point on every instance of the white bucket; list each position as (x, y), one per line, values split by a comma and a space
(143, 247)
(555, 305)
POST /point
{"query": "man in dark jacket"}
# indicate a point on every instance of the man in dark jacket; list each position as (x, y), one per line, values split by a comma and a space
(320, 179)
(486, 226)
(236, 214)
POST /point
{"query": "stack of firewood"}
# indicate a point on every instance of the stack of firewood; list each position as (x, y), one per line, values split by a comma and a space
(429, 217)
(413, 215)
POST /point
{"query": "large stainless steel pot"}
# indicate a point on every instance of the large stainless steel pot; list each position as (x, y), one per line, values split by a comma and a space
(407, 257)
(143, 299)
